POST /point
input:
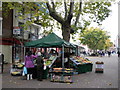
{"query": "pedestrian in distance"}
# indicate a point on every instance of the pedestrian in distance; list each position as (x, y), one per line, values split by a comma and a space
(29, 64)
(118, 53)
(109, 53)
(40, 66)
(2, 61)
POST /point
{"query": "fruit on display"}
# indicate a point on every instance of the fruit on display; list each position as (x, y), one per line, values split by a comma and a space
(48, 62)
(57, 69)
(56, 78)
(20, 65)
(67, 79)
(81, 60)
(14, 73)
(52, 57)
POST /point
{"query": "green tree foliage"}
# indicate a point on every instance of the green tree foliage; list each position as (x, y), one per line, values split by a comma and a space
(95, 38)
(72, 17)
(108, 44)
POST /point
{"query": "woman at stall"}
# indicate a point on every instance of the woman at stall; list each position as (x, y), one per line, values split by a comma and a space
(29, 64)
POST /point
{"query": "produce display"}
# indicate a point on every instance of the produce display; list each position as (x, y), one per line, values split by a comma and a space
(57, 78)
(16, 69)
(66, 70)
(50, 61)
(67, 79)
(81, 65)
(20, 65)
(81, 60)
(16, 73)
(61, 75)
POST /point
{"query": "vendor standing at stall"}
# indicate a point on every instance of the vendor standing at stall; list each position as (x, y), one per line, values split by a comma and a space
(40, 66)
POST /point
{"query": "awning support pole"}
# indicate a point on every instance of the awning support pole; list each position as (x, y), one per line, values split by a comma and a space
(62, 56)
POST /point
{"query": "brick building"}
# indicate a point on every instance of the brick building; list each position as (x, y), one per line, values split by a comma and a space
(13, 36)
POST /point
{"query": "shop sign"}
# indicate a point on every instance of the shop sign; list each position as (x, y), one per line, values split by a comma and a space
(16, 30)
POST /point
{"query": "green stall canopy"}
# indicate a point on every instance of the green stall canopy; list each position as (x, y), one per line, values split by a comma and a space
(51, 40)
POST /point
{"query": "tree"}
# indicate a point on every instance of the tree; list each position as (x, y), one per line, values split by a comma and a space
(95, 38)
(73, 18)
(108, 44)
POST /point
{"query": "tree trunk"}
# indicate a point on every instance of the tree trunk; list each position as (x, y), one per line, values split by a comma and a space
(66, 32)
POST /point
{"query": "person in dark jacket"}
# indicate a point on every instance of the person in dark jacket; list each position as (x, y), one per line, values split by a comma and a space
(40, 66)
(118, 53)
(1, 61)
(109, 53)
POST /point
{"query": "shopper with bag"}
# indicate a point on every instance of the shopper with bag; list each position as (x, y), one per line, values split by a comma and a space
(40, 66)
(29, 64)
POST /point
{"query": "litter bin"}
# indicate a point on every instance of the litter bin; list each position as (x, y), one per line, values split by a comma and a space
(99, 67)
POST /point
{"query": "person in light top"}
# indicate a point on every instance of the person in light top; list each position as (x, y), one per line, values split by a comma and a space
(40, 66)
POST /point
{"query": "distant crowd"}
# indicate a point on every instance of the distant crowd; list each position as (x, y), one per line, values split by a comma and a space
(100, 53)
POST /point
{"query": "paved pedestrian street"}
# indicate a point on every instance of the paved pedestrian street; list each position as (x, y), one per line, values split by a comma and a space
(108, 79)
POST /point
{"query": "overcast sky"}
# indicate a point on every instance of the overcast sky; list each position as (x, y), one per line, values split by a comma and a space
(111, 23)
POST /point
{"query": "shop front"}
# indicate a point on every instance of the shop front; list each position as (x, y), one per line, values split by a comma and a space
(11, 48)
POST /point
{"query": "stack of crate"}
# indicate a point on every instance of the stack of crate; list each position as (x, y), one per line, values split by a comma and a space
(99, 67)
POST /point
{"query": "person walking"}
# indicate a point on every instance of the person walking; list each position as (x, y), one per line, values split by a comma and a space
(109, 53)
(118, 53)
(29, 64)
(2, 61)
(40, 66)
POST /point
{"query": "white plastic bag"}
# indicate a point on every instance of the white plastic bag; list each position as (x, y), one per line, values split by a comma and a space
(44, 67)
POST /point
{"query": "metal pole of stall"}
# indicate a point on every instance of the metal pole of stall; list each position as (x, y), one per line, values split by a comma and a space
(62, 56)
(62, 62)
(24, 53)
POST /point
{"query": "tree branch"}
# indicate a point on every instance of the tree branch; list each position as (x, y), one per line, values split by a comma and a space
(66, 11)
(80, 10)
(53, 4)
(70, 15)
(54, 14)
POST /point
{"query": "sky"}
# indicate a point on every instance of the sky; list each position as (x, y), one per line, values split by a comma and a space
(111, 23)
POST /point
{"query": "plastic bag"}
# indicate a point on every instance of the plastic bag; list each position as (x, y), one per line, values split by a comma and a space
(24, 71)
(44, 67)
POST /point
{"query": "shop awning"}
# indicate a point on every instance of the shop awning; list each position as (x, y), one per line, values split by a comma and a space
(9, 41)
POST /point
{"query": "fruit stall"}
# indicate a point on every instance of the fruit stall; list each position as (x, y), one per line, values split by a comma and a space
(56, 68)
(16, 69)
(80, 64)
(51, 41)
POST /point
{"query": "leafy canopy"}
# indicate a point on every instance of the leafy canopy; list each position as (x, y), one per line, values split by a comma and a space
(52, 14)
(95, 38)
